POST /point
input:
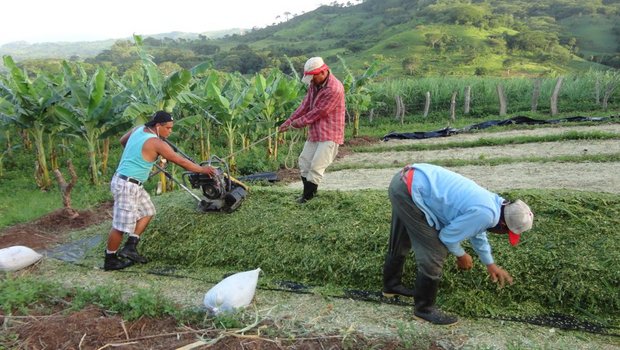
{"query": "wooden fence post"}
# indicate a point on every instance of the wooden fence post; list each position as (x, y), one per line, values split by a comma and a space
(467, 100)
(597, 90)
(554, 96)
(502, 100)
(400, 109)
(453, 106)
(536, 94)
(427, 104)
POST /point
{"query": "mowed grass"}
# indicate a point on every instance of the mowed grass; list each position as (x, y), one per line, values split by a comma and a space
(568, 264)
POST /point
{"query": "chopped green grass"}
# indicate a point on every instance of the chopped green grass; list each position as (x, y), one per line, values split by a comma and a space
(569, 262)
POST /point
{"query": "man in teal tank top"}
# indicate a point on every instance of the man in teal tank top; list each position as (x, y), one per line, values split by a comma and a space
(133, 209)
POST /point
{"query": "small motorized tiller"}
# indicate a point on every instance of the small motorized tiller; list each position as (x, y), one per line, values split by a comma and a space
(222, 192)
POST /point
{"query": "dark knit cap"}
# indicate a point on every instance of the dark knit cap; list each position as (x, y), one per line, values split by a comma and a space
(160, 117)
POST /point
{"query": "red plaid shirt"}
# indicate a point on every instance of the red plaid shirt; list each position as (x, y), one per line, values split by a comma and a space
(323, 109)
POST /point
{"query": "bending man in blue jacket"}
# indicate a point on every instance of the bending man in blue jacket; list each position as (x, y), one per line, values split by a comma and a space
(433, 211)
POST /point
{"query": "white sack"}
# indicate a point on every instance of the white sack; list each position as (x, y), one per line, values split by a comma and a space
(233, 292)
(17, 257)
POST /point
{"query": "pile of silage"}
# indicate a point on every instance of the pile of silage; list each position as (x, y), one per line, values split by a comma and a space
(568, 263)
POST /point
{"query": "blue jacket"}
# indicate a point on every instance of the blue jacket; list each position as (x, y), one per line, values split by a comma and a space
(457, 207)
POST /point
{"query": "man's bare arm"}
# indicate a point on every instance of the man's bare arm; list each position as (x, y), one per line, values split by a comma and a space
(164, 150)
(123, 140)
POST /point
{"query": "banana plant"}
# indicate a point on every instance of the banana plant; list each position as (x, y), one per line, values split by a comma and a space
(197, 125)
(153, 91)
(357, 95)
(88, 112)
(228, 105)
(275, 98)
(28, 104)
(6, 148)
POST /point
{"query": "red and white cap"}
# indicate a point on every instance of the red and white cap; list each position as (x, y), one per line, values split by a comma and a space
(519, 218)
(314, 65)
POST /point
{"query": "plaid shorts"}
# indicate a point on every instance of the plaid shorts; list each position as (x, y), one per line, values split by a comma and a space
(131, 203)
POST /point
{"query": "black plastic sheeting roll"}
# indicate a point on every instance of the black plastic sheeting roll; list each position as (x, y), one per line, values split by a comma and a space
(512, 121)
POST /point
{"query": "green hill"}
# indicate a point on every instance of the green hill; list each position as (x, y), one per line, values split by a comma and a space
(22, 50)
(501, 37)
(595, 35)
(412, 37)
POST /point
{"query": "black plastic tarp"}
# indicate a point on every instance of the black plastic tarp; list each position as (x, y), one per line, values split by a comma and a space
(512, 121)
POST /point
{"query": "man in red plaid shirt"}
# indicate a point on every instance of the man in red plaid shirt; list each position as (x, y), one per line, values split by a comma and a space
(323, 110)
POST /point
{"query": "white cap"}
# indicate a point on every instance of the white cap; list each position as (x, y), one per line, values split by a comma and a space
(314, 65)
(519, 218)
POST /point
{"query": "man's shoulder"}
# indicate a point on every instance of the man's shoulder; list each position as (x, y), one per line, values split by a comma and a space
(152, 142)
(335, 83)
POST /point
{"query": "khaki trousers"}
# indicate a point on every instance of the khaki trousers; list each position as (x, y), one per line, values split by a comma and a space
(315, 158)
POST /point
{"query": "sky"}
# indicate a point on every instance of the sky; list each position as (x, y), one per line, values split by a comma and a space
(37, 21)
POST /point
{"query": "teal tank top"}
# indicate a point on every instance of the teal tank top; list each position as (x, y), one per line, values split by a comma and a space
(132, 164)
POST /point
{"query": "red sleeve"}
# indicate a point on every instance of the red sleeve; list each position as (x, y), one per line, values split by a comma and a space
(301, 110)
(327, 100)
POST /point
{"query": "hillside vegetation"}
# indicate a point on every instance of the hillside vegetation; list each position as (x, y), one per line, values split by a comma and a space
(414, 38)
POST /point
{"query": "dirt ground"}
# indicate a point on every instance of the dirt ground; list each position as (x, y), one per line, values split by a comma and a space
(51, 229)
(584, 176)
(95, 328)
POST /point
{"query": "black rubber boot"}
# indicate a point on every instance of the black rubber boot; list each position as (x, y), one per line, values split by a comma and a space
(310, 189)
(113, 262)
(300, 199)
(424, 300)
(392, 277)
(130, 251)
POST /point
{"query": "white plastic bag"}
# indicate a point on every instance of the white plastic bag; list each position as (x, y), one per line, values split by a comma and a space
(17, 257)
(233, 292)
